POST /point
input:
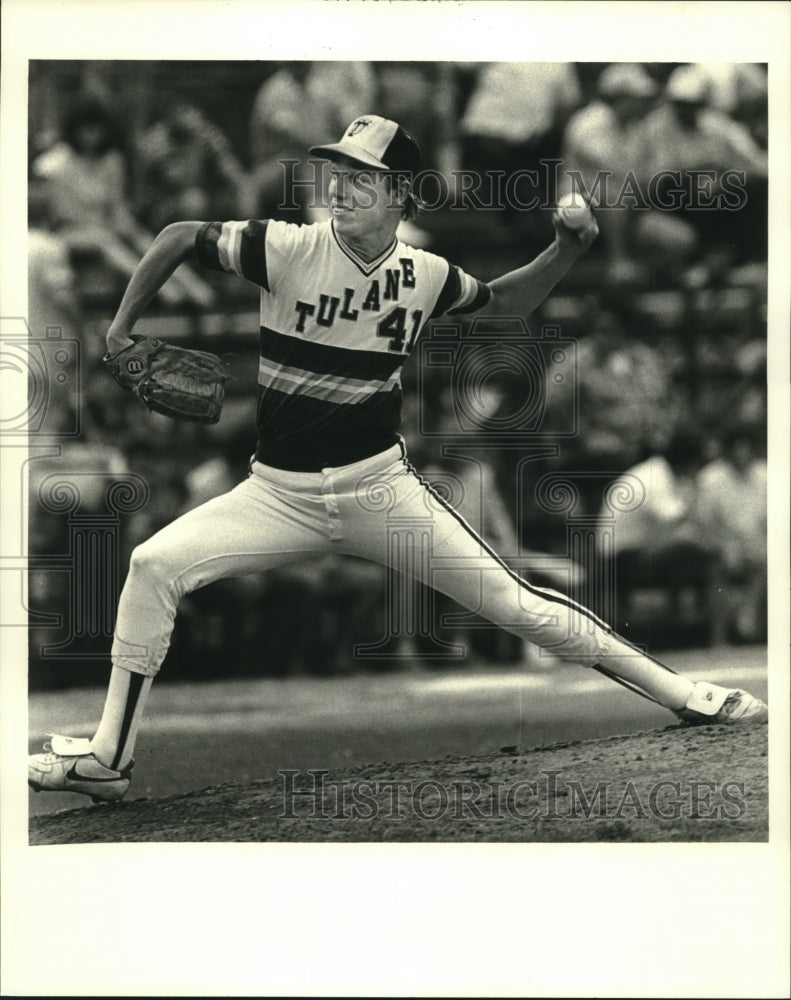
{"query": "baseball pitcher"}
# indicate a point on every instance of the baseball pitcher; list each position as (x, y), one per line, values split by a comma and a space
(342, 303)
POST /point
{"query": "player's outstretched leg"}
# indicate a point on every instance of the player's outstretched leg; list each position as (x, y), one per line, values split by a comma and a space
(570, 631)
(247, 530)
(465, 567)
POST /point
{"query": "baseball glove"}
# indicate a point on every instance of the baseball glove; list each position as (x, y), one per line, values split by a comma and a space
(174, 381)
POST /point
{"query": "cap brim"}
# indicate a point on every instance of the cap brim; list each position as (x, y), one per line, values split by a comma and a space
(351, 151)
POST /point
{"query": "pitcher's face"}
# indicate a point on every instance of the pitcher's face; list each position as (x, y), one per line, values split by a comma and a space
(361, 199)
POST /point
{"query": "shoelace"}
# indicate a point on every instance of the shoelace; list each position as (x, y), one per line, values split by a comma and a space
(53, 758)
(730, 703)
(50, 757)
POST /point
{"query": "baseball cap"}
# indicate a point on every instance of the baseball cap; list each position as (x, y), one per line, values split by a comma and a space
(626, 80)
(373, 141)
(687, 84)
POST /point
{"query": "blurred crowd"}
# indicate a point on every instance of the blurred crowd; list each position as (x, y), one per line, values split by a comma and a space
(665, 318)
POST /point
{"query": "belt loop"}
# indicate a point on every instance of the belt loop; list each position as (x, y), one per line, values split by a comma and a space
(331, 506)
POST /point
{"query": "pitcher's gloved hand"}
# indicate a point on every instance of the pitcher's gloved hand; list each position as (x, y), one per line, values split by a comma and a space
(175, 381)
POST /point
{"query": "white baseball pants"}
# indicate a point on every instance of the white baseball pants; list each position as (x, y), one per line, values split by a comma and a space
(378, 509)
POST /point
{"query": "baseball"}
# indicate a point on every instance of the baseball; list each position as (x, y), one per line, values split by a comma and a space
(573, 212)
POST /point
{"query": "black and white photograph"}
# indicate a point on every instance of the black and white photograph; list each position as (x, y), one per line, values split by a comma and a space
(395, 480)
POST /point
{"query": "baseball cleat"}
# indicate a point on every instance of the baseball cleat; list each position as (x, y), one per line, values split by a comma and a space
(710, 704)
(741, 706)
(70, 766)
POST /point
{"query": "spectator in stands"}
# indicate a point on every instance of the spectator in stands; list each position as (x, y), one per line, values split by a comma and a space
(733, 506)
(84, 178)
(515, 118)
(301, 104)
(516, 112)
(52, 293)
(685, 134)
(740, 91)
(657, 539)
(210, 479)
(188, 169)
(422, 94)
(624, 390)
(602, 142)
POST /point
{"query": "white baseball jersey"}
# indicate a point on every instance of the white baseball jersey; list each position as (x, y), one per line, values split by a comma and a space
(335, 331)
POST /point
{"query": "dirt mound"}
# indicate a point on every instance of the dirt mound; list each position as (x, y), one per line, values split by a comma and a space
(673, 784)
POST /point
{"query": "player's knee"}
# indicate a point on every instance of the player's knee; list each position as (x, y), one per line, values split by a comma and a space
(148, 560)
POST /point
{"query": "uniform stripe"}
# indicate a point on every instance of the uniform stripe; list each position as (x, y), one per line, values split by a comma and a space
(460, 294)
(327, 359)
(252, 254)
(450, 292)
(305, 433)
(547, 595)
(235, 247)
(330, 388)
(206, 245)
(222, 249)
(474, 298)
(132, 698)
(229, 247)
(468, 291)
